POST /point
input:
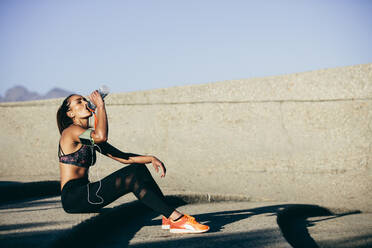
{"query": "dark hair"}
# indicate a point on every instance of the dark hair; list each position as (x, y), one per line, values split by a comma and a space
(63, 121)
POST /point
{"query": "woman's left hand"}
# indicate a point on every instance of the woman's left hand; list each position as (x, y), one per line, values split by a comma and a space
(157, 163)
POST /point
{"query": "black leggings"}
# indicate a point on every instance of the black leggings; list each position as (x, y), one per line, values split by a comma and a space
(81, 196)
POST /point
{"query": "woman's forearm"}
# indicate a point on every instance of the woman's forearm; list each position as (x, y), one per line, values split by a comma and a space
(141, 159)
(101, 130)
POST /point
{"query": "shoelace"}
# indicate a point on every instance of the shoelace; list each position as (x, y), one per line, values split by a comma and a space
(191, 219)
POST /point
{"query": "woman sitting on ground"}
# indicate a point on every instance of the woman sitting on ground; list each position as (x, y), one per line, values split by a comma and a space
(77, 147)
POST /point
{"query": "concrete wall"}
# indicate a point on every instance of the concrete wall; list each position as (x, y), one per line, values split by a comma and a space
(304, 137)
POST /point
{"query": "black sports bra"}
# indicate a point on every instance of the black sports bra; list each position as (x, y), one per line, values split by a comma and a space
(84, 157)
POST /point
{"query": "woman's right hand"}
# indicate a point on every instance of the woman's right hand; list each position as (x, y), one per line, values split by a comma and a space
(96, 99)
(158, 164)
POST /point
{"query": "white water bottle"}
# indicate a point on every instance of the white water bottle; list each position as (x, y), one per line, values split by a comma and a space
(103, 91)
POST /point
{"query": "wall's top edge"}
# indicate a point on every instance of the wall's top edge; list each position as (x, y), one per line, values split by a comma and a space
(55, 101)
(342, 83)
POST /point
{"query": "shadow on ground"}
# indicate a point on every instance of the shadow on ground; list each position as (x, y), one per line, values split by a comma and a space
(116, 227)
(293, 223)
(11, 191)
(119, 226)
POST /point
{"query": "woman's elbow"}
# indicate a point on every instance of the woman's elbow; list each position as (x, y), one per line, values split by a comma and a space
(100, 139)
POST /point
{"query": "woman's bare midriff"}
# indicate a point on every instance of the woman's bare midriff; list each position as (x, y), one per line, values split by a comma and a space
(69, 172)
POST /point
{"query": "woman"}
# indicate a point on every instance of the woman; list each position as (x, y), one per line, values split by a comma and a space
(77, 148)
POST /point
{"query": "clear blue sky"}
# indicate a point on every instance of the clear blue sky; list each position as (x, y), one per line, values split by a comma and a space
(137, 45)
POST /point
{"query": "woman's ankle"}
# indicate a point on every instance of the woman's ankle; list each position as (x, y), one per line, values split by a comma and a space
(175, 215)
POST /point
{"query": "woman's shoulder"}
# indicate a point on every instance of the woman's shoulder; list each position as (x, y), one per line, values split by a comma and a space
(72, 132)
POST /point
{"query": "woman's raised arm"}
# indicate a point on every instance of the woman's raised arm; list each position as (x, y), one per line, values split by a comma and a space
(100, 134)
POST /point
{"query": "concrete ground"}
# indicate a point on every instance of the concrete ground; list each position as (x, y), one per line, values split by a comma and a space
(234, 222)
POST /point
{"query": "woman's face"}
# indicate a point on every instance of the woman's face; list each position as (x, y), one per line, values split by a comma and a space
(78, 107)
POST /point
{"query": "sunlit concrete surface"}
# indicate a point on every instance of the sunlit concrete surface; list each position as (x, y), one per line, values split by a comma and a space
(42, 223)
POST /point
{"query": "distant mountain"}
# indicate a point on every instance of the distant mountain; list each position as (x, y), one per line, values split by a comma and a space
(21, 93)
(56, 93)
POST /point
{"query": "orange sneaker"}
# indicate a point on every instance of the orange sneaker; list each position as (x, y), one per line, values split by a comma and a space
(165, 223)
(187, 224)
